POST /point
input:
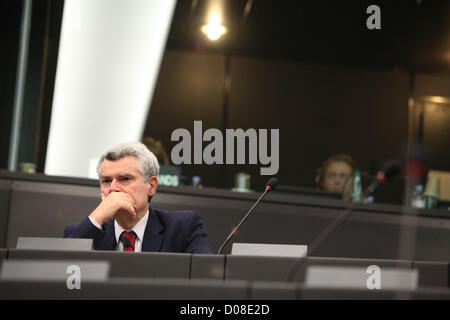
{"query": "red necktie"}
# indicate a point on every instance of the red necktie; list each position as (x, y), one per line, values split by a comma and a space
(128, 239)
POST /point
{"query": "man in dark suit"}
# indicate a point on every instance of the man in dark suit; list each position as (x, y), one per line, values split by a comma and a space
(124, 220)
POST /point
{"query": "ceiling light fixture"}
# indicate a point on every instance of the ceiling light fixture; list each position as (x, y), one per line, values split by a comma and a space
(214, 29)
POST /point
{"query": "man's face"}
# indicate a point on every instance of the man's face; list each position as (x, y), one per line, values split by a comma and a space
(336, 175)
(123, 175)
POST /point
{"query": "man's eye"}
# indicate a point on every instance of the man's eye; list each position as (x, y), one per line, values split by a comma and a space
(106, 181)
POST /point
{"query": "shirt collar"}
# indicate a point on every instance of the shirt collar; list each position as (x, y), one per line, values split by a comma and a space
(139, 228)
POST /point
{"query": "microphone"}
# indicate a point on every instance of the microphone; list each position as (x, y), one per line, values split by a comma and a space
(270, 186)
(389, 170)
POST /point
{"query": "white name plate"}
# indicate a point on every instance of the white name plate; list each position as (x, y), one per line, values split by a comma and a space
(68, 244)
(272, 250)
(29, 270)
(371, 277)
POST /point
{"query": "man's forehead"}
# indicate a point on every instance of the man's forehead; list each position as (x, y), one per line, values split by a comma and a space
(118, 174)
(120, 167)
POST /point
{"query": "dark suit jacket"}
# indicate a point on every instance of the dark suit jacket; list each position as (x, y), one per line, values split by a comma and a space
(166, 231)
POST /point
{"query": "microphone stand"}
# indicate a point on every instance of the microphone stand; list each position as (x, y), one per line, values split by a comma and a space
(243, 219)
(389, 170)
(322, 237)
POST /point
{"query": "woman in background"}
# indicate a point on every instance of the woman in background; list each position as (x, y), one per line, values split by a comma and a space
(336, 174)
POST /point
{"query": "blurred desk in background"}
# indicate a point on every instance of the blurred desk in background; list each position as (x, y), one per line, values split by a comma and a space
(36, 205)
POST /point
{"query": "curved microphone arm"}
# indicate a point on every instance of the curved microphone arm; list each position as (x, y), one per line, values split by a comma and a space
(243, 219)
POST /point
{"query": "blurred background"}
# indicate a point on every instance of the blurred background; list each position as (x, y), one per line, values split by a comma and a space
(79, 76)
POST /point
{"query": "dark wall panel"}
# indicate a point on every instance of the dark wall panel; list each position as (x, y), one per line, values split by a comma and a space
(12, 13)
(40, 74)
(189, 88)
(436, 119)
(5, 193)
(31, 117)
(432, 85)
(320, 111)
(436, 135)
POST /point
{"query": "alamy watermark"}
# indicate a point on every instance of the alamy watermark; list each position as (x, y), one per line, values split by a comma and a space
(74, 279)
(219, 151)
(374, 20)
(374, 280)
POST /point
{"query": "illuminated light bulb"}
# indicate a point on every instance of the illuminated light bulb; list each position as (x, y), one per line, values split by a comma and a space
(214, 29)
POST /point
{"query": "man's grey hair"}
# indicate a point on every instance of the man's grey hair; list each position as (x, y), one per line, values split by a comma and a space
(148, 163)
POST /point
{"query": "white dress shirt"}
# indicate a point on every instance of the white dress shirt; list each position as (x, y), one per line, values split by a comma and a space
(139, 229)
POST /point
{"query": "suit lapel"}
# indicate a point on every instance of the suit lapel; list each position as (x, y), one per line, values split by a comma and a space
(108, 242)
(154, 233)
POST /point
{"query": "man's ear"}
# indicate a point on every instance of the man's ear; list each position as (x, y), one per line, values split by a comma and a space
(152, 185)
